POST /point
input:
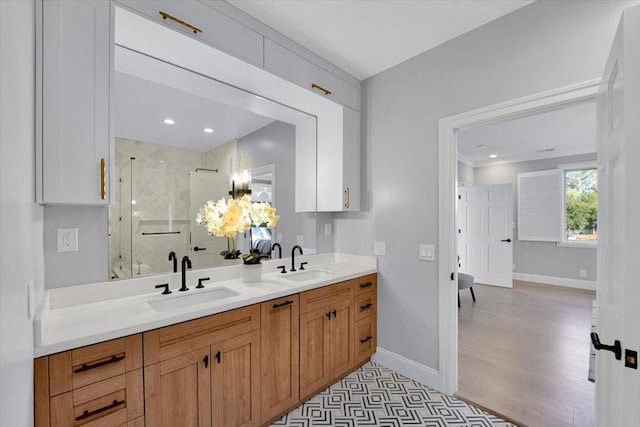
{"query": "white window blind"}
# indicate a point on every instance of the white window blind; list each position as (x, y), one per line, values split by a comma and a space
(540, 206)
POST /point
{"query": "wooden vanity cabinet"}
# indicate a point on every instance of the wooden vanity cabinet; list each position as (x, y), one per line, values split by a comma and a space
(326, 336)
(100, 384)
(204, 372)
(280, 348)
(366, 308)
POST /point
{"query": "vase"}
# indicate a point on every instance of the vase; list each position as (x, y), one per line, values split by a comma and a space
(252, 273)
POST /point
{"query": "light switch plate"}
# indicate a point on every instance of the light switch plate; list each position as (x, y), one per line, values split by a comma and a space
(379, 248)
(67, 239)
(427, 253)
(279, 237)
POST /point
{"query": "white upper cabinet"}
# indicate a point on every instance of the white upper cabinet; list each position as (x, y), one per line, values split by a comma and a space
(339, 167)
(201, 22)
(289, 65)
(73, 117)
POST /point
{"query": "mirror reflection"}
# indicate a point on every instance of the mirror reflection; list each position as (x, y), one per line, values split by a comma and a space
(178, 147)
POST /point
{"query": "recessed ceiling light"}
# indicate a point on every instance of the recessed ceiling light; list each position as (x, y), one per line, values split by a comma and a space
(493, 156)
(208, 130)
(169, 121)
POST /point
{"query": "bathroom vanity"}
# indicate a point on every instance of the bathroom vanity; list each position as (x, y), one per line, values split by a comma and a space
(233, 354)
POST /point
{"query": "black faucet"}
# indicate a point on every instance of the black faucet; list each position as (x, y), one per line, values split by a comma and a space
(172, 256)
(186, 263)
(279, 250)
(293, 257)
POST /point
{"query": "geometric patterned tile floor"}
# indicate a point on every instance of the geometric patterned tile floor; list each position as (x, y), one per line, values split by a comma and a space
(373, 395)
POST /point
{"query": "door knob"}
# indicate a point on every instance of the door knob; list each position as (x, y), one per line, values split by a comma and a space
(616, 348)
(506, 240)
(196, 249)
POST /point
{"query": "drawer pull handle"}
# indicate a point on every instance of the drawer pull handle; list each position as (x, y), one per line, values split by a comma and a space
(320, 88)
(282, 304)
(364, 340)
(86, 367)
(165, 15)
(87, 414)
(103, 179)
(366, 306)
(206, 361)
(335, 313)
(366, 284)
(328, 315)
(218, 355)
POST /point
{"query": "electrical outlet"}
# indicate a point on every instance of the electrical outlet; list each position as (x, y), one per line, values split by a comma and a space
(67, 239)
(379, 248)
(583, 273)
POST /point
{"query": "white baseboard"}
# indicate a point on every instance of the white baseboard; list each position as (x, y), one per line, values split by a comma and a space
(556, 281)
(407, 367)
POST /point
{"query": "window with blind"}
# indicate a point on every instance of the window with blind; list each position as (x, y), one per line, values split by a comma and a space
(540, 206)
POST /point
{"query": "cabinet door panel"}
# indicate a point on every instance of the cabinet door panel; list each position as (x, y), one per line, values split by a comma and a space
(234, 377)
(178, 390)
(314, 351)
(280, 347)
(76, 62)
(341, 344)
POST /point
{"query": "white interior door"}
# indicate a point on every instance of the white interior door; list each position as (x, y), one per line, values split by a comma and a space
(486, 233)
(618, 296)
(205, 249)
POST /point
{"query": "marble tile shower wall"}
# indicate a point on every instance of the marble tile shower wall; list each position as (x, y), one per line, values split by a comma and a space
(153, 197)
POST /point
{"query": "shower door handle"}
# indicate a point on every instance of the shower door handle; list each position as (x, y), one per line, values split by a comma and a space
(196, 249)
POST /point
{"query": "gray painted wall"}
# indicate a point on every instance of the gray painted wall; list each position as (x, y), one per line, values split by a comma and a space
(542, 258)
(465, 174)
(21, 259)
(543, 46)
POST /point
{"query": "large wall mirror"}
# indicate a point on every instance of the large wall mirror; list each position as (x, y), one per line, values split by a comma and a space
(178, 136)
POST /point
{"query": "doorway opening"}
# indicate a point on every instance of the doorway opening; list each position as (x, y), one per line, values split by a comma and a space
(450, 129)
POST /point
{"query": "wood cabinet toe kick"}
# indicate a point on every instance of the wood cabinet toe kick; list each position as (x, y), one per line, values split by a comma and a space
(243, 367)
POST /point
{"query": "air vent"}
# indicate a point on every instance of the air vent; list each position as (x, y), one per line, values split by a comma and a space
(547, 150)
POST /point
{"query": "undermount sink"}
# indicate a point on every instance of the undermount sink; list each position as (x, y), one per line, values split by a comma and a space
(181, 301)
(308, 275)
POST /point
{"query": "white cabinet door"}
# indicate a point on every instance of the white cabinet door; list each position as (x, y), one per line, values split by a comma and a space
(618, 293)
(211, 26)
(74, 132)
(339, 167)
(294, 68)
(486, 233)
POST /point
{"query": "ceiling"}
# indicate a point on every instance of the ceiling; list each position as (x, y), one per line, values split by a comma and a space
(142, 106)
(365, 37)
(563, 132)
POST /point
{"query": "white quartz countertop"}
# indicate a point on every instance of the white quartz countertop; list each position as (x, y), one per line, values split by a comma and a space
(76, 316)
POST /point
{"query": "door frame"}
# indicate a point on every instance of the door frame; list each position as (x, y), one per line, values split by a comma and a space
(447, 218)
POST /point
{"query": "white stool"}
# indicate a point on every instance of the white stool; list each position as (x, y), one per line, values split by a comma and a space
(465, 281)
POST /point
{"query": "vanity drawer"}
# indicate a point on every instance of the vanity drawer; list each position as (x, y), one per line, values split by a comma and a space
(166, 343)
(366, 304)
(366, 284)
(77, 368)
(327, 295)
(366, 338)
(114, 402)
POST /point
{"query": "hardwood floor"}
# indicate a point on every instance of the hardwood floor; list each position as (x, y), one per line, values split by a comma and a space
(524, 353)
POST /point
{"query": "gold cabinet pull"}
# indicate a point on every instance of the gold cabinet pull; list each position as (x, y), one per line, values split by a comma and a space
(165, 15)
(346, 198)
(320, 88)
(103, 179)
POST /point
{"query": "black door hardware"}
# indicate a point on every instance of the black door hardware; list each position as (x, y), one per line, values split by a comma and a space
(200, 285)
(282, 304)
(86, 414)
(85, 367)
(206, 361)
(196, 249)
(329, 315)
(616, 348)
(166, 288)
(366, 307)
(366, 284)
(335, 314)
(506, 240)
(218, 357)
(364, 340)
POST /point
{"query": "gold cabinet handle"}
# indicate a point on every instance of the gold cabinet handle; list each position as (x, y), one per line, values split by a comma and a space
(320, 88)
(165, 15)
(346, 198)
(103, 179)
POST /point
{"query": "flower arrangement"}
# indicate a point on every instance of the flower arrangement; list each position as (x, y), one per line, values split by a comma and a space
(227, 218)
